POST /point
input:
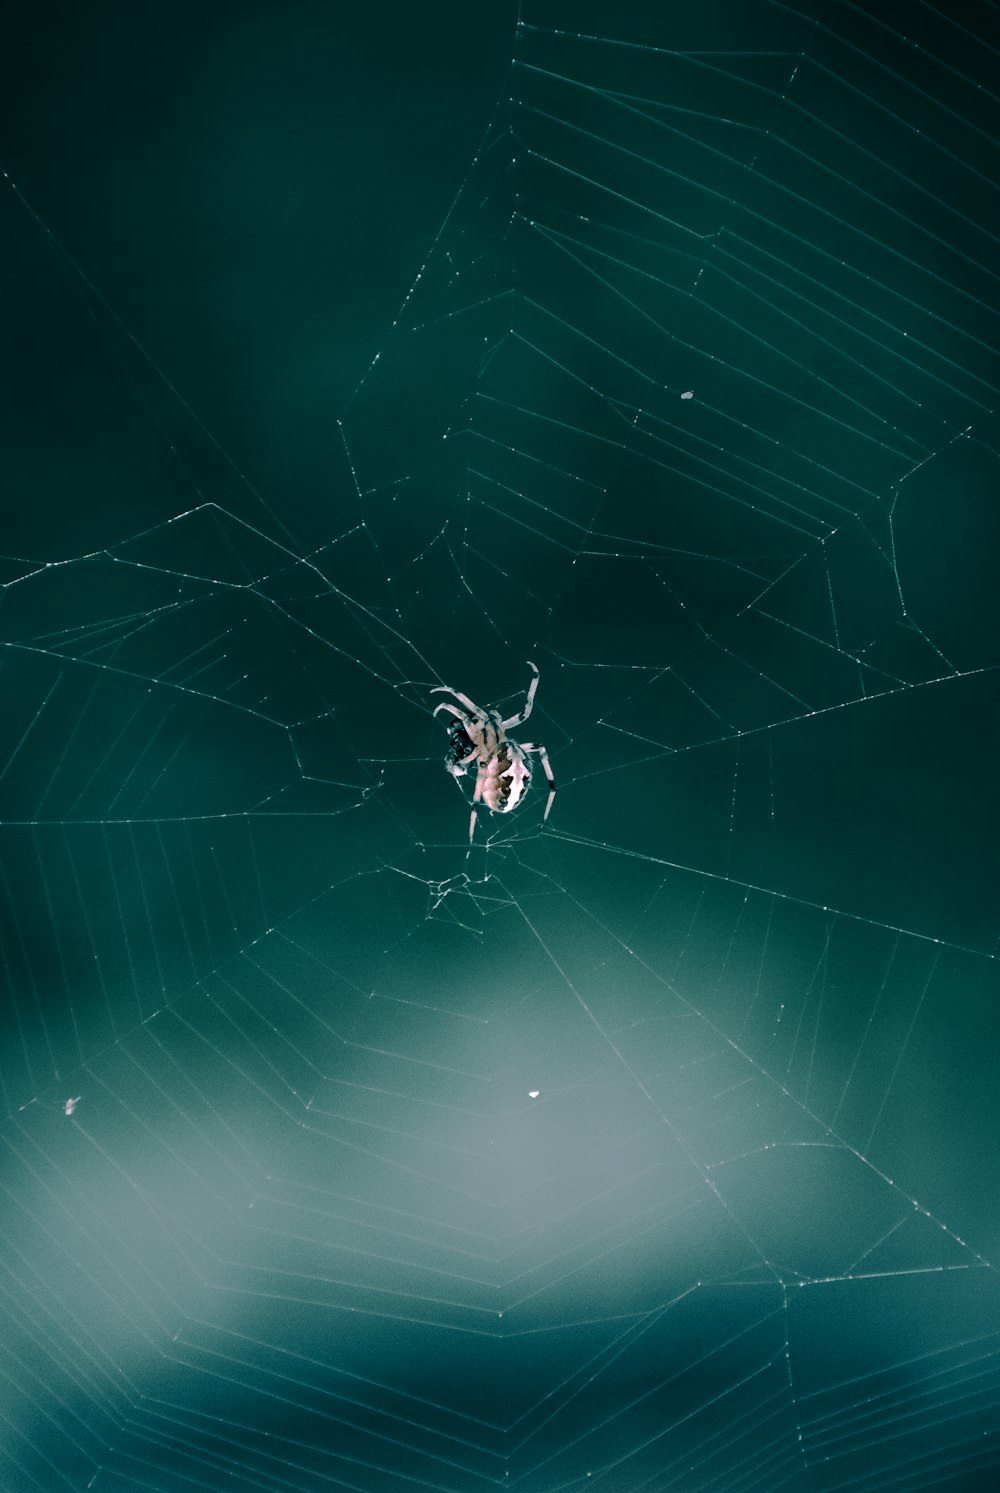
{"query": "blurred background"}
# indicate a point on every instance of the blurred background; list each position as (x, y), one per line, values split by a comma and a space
(349, 355)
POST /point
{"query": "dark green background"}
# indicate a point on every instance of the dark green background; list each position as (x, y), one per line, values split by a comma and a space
(345, 356)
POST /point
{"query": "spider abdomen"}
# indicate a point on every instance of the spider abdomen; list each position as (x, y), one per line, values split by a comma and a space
(505, 780)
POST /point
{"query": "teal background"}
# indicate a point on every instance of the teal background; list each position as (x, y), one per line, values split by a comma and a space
(350, 353)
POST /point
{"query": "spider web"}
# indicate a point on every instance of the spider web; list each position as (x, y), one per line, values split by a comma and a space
(652, 1148)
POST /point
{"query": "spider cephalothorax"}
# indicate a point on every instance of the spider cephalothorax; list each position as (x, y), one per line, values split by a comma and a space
(479, 737)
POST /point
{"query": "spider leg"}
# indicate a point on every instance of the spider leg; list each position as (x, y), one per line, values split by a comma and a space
(518, 720)
(470, 705)
(530, 746)
(446, 705)
(476, 797)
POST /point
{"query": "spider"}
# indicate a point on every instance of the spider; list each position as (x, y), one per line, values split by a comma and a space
(480, 736)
